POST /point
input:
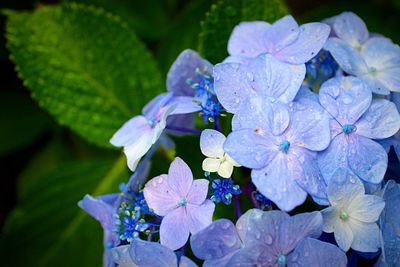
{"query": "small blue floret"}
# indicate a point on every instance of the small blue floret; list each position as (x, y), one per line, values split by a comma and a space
(224, 189)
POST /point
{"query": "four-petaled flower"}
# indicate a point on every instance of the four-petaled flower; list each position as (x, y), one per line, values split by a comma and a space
(139, 133)
(267, 60)
(211, 145)
(181, 201)
(266, 238)
(374, 59)
(352, 215)
(145, 253)
(279, 143)
(285, 40)
(356, 119)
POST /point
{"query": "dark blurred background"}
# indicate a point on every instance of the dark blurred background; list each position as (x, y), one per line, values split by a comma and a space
(32, 143)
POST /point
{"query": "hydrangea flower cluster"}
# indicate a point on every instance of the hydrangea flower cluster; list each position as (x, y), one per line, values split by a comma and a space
(309, 127)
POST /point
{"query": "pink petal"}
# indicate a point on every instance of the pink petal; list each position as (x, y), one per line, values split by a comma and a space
(180, 177)
(174, 230)
(198, 191)
(159, 196)
(199, 217)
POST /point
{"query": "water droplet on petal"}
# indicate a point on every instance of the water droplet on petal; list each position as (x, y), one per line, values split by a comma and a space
(268, 239)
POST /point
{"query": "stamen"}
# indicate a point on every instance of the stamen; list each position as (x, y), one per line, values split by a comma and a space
(349, 128)
(284, 146)
(182, 202)
(281, 260)
(344, 216)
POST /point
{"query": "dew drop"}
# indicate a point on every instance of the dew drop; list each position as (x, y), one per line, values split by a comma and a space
(268, 239)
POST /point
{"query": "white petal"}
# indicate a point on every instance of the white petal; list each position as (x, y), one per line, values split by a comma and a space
(366, 208)
(211, 165)
(343, 235)
(330, 217)
(130, 131)
(366, 236)
(136, 150)
(225, 169)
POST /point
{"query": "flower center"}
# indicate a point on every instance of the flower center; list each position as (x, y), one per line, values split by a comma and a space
(281, 260)
(372, 70)
(349, 128)
(344, 216)
(182, 202)
(284, 146)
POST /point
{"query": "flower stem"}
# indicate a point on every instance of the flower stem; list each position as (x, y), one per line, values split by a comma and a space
(183, 130)
(254, 200)
(217, 126)
(236, 202)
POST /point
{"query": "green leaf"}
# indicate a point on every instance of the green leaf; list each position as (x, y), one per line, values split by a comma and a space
(225, 15)
(148, 18)
(48, 228)
(84, 66)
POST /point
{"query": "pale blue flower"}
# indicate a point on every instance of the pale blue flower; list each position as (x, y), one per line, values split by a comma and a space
(374, 59)
(145, 253)
(279, 142)
(139, 133)
(356, 121)
(273, 57)
(395, 139)
(390, 225)
(285, 40)
(264, 76)
(171, 109)
(271, 238)
(352, 215)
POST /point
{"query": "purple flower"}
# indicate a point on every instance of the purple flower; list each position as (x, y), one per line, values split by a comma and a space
(271, 238)
(145, 253)
(190, 75)
(356, 120)
(285, 40)
(374, 59)
(279, 143)
(181, 201)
